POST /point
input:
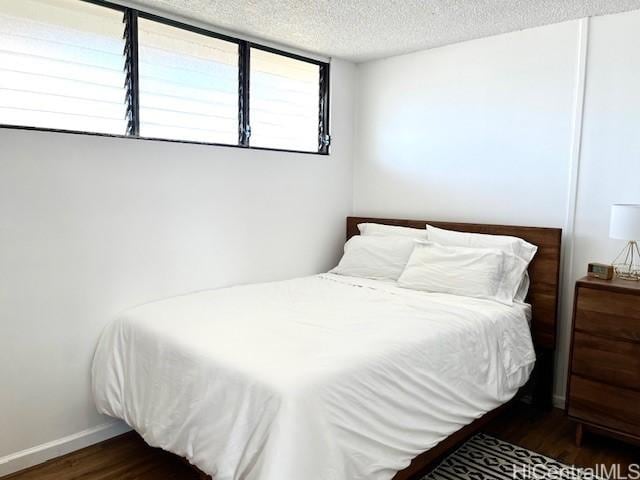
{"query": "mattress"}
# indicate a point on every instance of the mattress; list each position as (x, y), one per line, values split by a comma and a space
(322, 378)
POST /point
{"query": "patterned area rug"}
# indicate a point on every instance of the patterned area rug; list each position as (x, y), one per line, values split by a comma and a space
(486, 458)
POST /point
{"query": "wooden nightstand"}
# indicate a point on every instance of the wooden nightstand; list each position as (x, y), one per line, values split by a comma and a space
(603, 385)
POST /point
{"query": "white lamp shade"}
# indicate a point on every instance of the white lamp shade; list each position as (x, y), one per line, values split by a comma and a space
(625, 222)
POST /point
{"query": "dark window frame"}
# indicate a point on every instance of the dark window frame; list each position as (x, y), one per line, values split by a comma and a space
(130, 20)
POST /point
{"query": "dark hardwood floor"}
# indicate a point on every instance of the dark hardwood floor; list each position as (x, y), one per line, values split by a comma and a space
(552, 434)
(127, 457)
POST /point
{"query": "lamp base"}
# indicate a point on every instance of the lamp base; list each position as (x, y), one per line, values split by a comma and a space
(627, 263)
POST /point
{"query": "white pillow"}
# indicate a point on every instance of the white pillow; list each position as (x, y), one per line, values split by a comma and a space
(511, 245)
(471, 272)
(380, 258)
(378, 229)
(523, 288)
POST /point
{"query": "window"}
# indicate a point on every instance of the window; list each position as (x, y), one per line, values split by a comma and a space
(61, 66)
(285, 101)
(188, 84)
(91, 66)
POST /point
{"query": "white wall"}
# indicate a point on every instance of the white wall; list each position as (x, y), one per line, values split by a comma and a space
(90, 226)
(610, 165)
(482, 131)
(450, 133)
(610, 162)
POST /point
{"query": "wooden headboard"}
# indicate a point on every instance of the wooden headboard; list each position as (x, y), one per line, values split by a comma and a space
(544, 270)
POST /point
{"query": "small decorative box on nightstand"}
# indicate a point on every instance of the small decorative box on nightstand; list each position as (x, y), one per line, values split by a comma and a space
(603, 386)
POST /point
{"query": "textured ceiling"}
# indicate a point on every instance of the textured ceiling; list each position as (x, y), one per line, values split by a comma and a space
(361, 30)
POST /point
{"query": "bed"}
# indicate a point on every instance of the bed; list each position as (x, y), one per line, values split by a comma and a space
(337, 378)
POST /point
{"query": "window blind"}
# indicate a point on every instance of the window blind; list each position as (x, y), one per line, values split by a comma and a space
(284, 102)
(188, 84)
(94, 66)
(61, 66)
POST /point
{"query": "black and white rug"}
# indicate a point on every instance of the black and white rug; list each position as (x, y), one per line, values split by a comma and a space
(484, 457)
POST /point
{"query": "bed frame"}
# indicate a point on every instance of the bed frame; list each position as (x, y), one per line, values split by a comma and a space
(544, 272)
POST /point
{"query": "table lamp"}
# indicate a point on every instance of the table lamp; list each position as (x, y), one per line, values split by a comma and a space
(625, 225)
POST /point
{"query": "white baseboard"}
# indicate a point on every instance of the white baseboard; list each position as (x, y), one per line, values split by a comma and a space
(56, 448)
(558, 401)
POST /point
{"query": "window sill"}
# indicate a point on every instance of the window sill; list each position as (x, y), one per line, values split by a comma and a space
(188, 142)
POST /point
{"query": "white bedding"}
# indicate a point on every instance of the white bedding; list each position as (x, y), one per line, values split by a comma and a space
(318, 378)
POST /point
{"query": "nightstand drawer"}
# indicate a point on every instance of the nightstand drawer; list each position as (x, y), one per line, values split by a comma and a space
(615, 362)
(611, 314)
(605, 405)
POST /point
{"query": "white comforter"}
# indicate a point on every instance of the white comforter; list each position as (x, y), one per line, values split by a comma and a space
(318, 378)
